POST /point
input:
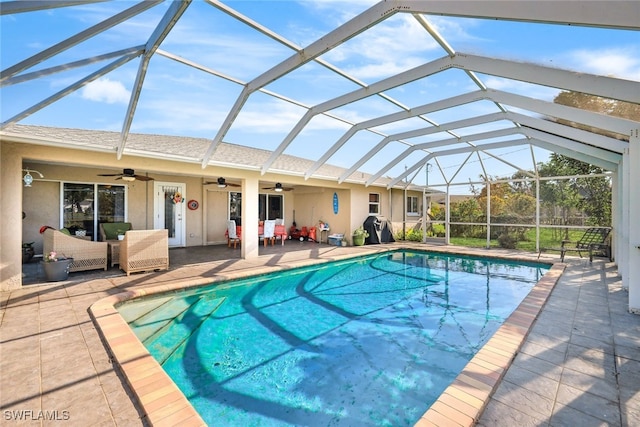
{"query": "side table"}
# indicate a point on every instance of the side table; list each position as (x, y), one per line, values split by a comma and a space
(114, 252)
(324, 230)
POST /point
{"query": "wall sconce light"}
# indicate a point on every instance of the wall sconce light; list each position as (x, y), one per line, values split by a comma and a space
(28, 179)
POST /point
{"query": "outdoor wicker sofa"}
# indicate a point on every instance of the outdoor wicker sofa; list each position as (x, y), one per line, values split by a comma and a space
(87, 255)
(144, 250)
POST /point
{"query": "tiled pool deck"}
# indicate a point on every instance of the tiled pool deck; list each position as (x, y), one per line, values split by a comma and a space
(578, 364)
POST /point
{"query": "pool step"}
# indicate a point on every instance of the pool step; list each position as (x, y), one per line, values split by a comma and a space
(155, 319)
(133, 311)
(174, 333)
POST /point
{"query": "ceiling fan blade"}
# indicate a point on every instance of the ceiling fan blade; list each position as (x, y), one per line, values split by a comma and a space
(109, 174)
(143, 178)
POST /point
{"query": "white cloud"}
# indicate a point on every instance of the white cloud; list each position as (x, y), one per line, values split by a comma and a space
(395, 45)
(105, 90)
(616, 62)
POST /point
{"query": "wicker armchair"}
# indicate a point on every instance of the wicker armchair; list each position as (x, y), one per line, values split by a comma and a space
(144, 250)
(86, 255)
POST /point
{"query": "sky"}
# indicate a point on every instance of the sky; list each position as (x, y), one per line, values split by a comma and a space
(182, 100)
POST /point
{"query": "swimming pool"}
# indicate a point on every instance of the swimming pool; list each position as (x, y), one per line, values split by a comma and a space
(369, 342)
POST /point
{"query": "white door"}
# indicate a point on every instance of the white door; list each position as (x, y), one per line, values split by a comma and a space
(169, 211)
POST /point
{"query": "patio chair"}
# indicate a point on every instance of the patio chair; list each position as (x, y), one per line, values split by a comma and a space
(87, 255)
(268, 233)
(144, 250)
(593, 241)
(232, 234)
(280, 232)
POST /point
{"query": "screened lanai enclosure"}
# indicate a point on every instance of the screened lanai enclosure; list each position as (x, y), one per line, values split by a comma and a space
(517, 121)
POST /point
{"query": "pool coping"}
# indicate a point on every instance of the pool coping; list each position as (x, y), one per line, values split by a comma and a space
(461, 403)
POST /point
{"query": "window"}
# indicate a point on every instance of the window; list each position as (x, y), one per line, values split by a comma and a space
(270, 206)
(81, 210)
(235, 207)
(412, 205)
(374, 203)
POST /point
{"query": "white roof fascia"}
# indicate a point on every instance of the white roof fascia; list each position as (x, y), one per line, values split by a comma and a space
(168, 21)
(76, 39)
(427, 145)
(622, 15)
(11, 7)
(551, 109)
(70, 66)
(346, 31)
(569, 132)
(68, 90)
(356, 95)
(607, 87)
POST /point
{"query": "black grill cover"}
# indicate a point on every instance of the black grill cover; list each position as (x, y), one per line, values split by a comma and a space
(379, 229)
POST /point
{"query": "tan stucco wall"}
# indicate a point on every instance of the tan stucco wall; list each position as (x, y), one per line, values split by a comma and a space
(316, 204)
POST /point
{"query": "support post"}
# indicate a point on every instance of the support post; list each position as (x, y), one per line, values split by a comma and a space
(250, 219)
(633, 225)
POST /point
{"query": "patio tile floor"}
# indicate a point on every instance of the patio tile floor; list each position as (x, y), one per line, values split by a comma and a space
(579, 364)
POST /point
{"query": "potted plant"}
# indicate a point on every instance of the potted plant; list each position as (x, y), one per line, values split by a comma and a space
(359, 234)
(56, 268)
(120, 234)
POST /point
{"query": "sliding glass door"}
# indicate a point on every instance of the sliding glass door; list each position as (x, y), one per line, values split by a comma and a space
(82, 210)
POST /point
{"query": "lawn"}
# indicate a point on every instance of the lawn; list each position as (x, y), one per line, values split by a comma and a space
(549, 238)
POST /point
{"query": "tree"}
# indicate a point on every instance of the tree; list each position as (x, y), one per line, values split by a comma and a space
(590, 196)
(625, 110)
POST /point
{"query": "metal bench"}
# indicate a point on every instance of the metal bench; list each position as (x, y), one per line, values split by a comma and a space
(593, 242)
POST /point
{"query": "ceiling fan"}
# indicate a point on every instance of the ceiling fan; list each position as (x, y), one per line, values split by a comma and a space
(222, 183)
(278, 187)
(128, 175)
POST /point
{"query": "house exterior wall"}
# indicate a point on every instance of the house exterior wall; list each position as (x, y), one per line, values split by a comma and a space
(398, 216)
(312, 200)
(316, 204)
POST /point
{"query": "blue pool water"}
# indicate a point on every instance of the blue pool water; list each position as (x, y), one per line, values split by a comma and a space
(372, 341)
